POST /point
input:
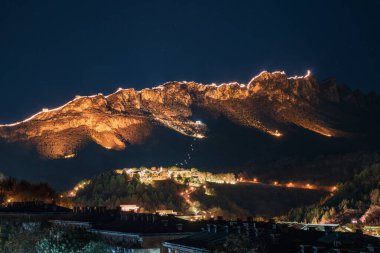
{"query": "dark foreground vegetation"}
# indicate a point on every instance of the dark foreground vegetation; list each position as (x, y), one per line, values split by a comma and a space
(26, 236)
(13, 190)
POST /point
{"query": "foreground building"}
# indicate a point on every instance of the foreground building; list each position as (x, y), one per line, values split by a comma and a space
(155, 233)
(137, 232)
(249, 236)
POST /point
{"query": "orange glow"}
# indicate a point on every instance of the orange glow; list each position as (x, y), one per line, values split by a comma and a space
(69, 156)
(274, 133)
(290, 184)
(277, 133)
(78, 187)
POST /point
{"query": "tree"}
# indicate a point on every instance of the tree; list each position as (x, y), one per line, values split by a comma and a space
(375, 197)
(325, 217)
(332, 211)
(343, 205)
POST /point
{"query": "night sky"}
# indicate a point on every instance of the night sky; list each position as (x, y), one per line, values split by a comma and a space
(51, 51)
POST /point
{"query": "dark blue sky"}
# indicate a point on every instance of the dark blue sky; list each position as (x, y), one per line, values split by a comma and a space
(51, 51)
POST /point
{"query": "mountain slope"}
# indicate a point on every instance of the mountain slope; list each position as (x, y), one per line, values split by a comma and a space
(269, 103)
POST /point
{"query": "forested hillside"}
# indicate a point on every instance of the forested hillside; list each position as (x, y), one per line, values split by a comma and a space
(112, 189)
(195, 196)
(357, 200)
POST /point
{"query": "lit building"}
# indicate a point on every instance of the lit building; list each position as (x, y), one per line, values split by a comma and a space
(129, 208)
(166, 212)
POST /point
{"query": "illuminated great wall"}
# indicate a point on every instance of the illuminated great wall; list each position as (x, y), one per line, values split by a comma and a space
(128, 115)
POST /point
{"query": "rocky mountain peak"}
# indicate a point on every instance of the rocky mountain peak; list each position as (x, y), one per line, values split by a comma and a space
(268, 103)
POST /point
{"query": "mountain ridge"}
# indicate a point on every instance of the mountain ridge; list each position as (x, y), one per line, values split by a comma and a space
(267, 102)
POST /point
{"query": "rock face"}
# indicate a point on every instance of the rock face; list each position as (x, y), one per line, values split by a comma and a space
(268, 103)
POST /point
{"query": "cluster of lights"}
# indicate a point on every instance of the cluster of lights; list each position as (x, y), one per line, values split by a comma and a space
(255, 180)
(186, 195)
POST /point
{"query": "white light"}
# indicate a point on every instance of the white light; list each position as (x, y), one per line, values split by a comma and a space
(69, 156)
